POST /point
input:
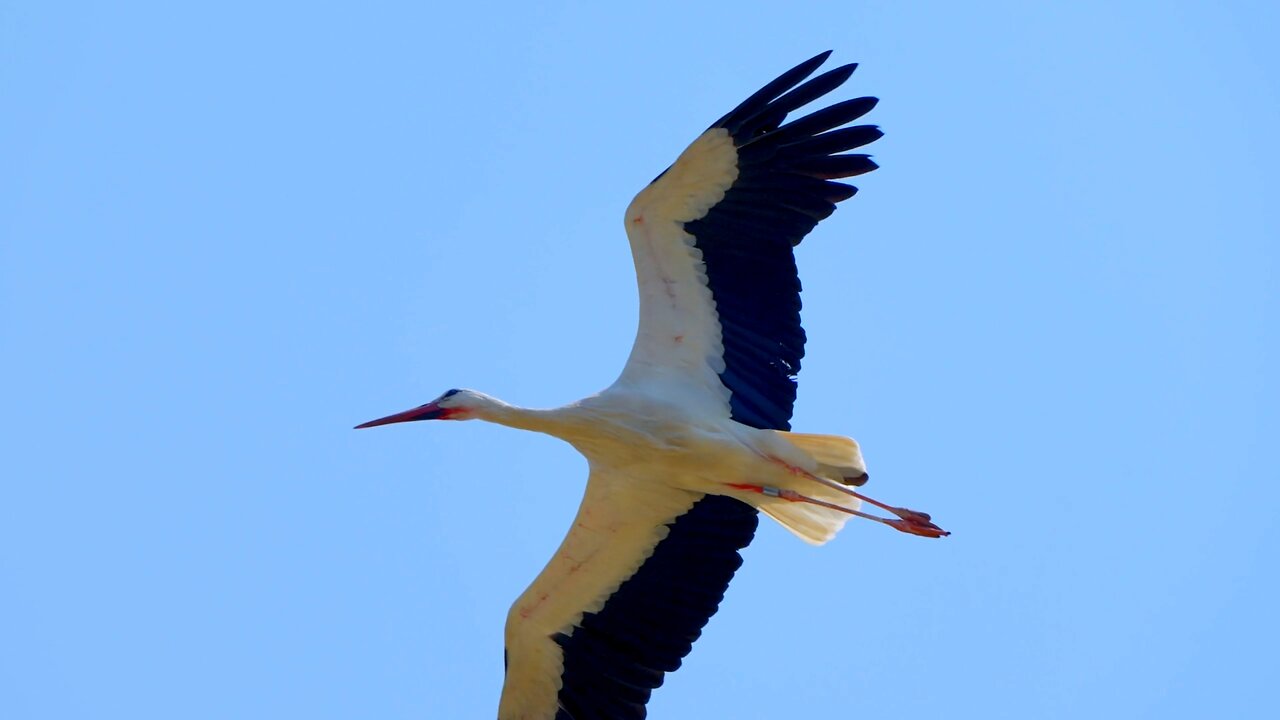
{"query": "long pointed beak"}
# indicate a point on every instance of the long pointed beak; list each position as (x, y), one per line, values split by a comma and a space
(430, 411)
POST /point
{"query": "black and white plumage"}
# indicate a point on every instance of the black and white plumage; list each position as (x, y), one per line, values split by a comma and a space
(692, 439)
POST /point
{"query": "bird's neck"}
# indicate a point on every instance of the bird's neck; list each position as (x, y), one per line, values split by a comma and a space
(552, 422)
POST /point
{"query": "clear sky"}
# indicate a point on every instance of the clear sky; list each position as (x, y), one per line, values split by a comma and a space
(230, 231)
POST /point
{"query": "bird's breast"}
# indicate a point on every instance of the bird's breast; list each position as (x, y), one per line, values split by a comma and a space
(666, 446)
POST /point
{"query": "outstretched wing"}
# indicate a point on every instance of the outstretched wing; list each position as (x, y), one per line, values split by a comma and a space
(640, 572)
(712, 240)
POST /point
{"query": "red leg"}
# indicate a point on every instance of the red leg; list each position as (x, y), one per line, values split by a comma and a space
(911, 521)
(915, 523)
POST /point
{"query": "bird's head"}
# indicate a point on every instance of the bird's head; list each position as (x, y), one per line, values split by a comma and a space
(452, 405)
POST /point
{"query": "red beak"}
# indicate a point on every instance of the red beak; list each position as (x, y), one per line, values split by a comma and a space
(430, 411)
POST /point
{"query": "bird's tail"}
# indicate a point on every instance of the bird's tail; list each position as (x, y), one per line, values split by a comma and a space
(838, 458)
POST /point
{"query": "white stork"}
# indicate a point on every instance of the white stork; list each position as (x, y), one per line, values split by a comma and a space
(692, 439)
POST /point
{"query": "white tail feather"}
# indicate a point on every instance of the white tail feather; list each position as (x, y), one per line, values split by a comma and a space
(839, 454)
(837, 458)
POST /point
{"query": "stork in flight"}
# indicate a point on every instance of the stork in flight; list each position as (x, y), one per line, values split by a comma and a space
(693, 438)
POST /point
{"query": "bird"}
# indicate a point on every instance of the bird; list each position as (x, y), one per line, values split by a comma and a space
(693, 440)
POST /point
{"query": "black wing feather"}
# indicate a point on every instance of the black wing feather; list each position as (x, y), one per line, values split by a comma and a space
(761, 98)
(782, 191)
(615, 658)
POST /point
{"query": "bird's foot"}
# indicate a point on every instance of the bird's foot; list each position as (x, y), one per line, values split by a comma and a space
(915, 526)
(910, 521)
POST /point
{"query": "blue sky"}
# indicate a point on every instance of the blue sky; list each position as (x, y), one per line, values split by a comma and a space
(232, 231)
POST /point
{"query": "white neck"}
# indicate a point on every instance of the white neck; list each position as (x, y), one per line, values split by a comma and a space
(555, 422)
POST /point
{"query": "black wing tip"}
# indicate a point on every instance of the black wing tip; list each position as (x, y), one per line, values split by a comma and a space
(819, 59)
(844, 72)
(797, 74)
(772, 90)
